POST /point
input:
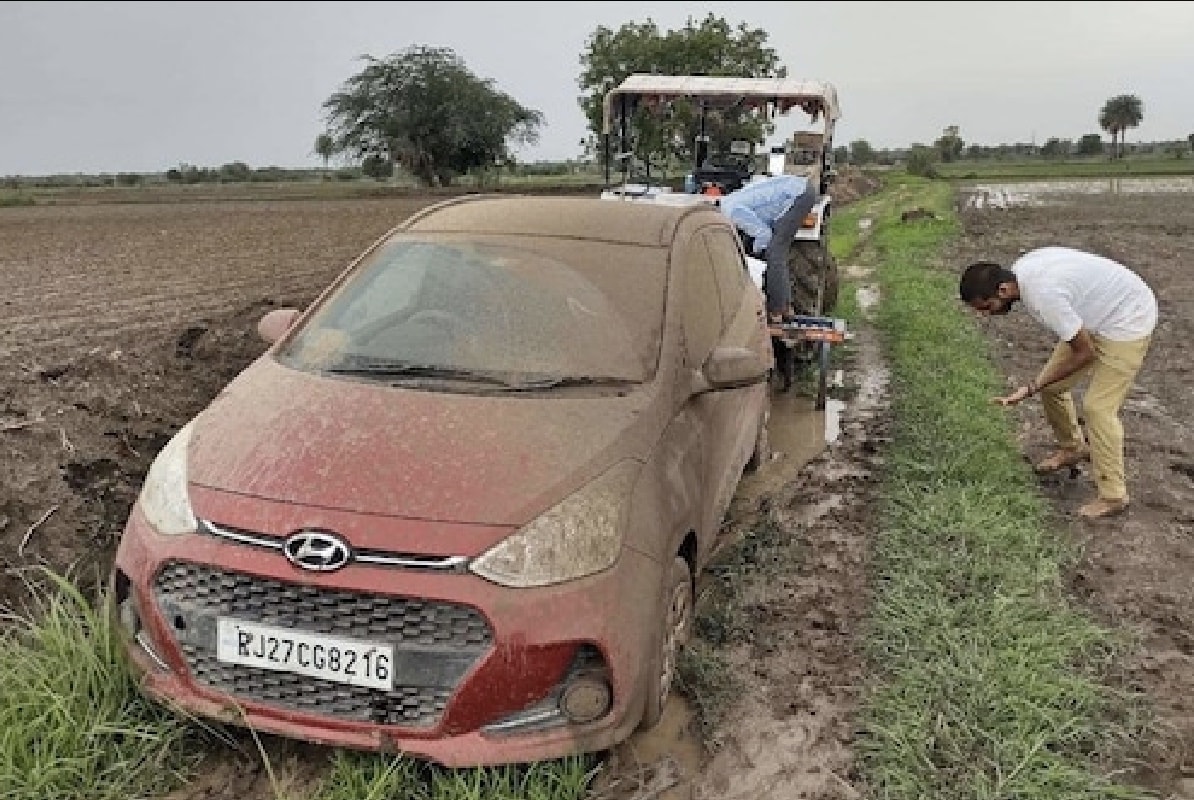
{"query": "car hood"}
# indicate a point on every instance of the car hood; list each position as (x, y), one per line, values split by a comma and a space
(291, 436)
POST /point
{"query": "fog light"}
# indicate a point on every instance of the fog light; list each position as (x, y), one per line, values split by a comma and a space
(585, 699)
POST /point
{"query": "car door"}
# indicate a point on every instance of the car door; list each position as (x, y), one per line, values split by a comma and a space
(715, 312)
(742, 325)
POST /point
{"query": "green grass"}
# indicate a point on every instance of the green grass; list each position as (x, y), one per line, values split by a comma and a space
(72, 725)
(986, 681)
(358, 776)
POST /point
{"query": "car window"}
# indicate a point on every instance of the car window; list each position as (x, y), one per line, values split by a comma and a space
(729, 269)
(469, 306)
(702, 316)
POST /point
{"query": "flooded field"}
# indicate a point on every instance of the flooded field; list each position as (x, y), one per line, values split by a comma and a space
(1063, 192)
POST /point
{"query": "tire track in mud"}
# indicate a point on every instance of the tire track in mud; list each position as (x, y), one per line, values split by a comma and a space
(803, 668)
(798, 663)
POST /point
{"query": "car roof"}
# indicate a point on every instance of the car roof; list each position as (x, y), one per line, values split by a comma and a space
(623, 222)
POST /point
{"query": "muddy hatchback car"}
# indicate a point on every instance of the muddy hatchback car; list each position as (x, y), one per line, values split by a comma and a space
(458, 507)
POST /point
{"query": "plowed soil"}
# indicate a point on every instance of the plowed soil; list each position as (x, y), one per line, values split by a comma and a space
(120, 322)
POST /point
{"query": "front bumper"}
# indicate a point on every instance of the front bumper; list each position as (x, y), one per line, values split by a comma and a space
(473, 659)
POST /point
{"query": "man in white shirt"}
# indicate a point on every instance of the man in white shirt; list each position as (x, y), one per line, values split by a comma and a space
(1103, 315)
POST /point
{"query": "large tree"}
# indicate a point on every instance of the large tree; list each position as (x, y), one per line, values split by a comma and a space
(424, 109)
(710, 47)
(1120, 113)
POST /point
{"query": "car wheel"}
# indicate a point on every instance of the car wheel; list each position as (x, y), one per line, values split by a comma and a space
(814, 275)
(676, 617)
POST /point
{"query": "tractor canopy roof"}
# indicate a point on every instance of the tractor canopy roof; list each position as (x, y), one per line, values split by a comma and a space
(782, 94)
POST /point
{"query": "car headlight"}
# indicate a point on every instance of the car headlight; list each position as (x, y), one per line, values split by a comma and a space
(164, 499)
(579, 536)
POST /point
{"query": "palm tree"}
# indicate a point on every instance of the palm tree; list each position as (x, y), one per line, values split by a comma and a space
(1120, 113)
(325, 148)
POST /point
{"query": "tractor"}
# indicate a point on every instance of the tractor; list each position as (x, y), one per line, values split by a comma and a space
(711, 110)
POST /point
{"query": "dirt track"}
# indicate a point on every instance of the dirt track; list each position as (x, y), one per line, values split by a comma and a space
(118, 323)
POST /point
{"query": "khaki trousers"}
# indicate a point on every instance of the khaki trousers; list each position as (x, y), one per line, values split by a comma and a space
(1111, 375)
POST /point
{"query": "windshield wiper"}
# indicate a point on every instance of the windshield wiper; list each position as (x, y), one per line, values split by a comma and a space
(557, 381)
(403, 369)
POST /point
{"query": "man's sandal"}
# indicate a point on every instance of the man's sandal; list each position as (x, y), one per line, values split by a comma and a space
(1102, 507)
(1060, 459)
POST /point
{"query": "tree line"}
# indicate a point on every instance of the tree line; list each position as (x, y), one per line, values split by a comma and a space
(423, 110)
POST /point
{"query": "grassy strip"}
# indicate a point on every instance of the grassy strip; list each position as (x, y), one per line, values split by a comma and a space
(72, 724)
(987, 683)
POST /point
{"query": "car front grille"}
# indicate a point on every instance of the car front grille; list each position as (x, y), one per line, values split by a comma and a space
(435, 643)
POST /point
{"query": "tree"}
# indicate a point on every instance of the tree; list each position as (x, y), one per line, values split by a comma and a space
(1056, 148)
(1091, 144)
(1120, 113)
(377, 167)
(950, 145)
(710, 47)
(922, 161)
(422, 108)
(325, 148)
(861, 152)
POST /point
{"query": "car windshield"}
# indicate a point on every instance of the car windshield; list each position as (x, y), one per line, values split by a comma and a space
(492, 313)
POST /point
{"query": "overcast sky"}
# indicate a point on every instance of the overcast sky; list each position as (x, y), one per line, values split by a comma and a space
(111, 86)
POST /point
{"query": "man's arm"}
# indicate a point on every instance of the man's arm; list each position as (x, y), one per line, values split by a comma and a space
(754, 227)
(1081, 353)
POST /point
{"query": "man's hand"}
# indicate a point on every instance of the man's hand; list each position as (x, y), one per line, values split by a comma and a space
(1022, 393)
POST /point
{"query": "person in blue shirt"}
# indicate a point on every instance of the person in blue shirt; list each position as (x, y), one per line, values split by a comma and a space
(768, 214)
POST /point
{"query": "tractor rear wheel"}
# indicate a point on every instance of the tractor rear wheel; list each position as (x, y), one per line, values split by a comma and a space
(814, 277)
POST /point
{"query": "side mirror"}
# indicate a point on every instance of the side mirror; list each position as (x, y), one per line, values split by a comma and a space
(734, 367)
(273, 326)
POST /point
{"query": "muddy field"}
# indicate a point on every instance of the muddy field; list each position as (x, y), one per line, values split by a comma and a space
(1136, 571)
(119, 322)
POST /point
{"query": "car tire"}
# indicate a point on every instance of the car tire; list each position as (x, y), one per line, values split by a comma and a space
(676, 625)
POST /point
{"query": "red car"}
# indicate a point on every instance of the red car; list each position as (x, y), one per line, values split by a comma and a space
(457, 508)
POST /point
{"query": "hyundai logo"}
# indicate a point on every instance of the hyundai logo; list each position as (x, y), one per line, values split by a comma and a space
(318, 551)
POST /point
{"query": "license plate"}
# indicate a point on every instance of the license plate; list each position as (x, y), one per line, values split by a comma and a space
(315, 655)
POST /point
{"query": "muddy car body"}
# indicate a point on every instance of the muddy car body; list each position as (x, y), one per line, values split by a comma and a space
(457, 507)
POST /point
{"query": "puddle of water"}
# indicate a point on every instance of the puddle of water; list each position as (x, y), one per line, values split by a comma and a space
(797, 433)
(797, 429)
(1041, 193)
